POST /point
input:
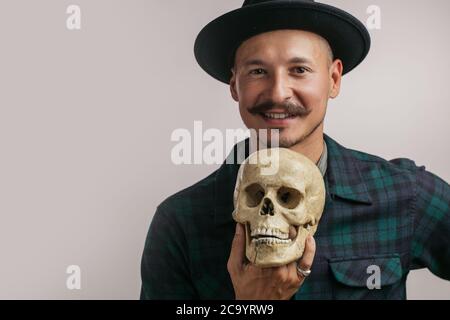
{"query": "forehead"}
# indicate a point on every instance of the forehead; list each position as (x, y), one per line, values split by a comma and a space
(282, 44)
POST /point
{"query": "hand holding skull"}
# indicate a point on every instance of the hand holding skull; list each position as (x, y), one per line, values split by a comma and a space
(279, 199)
(276, 283)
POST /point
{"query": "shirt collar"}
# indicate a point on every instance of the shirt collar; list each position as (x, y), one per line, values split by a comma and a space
(343, 177)
(323, 161)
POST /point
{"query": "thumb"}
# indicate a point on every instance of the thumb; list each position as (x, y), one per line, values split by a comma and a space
(237, 254)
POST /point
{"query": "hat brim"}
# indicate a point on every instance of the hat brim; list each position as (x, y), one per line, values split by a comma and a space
(218, 41)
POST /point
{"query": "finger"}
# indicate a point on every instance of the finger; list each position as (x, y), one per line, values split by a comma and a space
(293, 275)
(237, 254)
(306, 261)
(281, 274)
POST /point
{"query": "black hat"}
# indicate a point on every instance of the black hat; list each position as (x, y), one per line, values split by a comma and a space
(216, 44)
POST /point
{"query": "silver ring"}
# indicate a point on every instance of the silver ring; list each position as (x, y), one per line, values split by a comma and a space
(303, 273)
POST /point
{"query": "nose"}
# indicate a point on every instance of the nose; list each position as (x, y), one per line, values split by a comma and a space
(267, 208)
(280, 89)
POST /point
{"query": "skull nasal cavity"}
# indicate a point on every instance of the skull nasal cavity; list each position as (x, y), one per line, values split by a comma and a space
(267, 208)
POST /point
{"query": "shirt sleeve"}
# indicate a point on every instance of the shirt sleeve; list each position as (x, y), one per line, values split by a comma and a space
(431, 240)
(164, 266)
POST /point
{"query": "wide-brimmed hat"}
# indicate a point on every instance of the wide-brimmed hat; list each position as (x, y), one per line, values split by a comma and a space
(217, 42)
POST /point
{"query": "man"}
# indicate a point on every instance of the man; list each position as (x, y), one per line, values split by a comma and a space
(283, 61)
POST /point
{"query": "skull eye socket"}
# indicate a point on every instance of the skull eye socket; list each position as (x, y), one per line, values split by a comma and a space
(255, 193)
(288, 197)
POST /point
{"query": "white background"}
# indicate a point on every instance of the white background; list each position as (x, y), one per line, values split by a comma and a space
(86, 118)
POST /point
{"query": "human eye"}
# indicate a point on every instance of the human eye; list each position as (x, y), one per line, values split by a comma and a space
(258, 71)
(300, 70)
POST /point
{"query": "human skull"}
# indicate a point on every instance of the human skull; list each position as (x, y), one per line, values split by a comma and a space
(280, 209)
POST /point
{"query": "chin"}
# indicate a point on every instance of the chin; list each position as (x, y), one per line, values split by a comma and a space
(288, 143)
(287, 140)
(284, 142)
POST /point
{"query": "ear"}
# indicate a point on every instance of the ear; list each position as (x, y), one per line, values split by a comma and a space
(233, 89)
(335, 78)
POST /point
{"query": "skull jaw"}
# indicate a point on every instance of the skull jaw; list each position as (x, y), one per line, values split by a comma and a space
(275, 255)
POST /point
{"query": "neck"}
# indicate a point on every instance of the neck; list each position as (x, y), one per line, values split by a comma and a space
(312, 146)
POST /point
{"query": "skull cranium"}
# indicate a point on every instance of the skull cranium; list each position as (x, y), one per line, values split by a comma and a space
(278, 210)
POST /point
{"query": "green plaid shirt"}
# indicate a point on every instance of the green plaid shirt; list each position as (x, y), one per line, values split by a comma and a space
(391, 214)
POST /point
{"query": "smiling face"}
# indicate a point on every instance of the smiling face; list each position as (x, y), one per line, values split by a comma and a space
(283, 80)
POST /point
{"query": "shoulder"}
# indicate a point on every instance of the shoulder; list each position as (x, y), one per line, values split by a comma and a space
(378, 165)
(349, 162)
(387, 180)
(403, 174)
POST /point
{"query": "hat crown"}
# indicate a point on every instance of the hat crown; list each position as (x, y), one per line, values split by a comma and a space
(253, 2)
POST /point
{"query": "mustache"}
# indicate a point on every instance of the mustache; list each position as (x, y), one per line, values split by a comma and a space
(288, 107)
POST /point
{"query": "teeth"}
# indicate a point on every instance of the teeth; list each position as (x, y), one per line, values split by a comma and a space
(271, 241)
(277, 115)
(281, 235)
(261, 232)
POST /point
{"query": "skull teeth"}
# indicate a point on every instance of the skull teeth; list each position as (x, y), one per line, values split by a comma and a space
(272, 233)
(271, 241)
